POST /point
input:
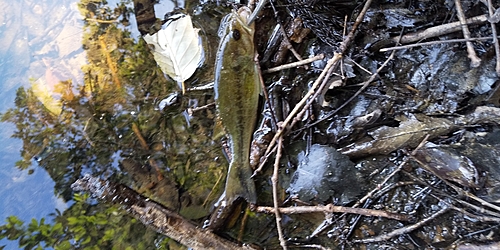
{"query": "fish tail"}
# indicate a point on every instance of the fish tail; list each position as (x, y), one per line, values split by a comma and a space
(239, 183)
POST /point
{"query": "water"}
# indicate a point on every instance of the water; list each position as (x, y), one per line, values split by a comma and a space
(81, 94)
(34, 35)
(41, 49)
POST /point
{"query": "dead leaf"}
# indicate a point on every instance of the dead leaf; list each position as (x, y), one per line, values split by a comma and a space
(177, 48)
(410, 133)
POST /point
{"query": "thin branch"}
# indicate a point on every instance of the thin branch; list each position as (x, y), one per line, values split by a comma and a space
(330, 208)
(380, 187)
(141, 139)
(207, 106)
(205, 87)
(461, 193)
(363, 87)
(409, 46)
(274, 180)
(263, 86)
(294, 64)
(468, 214)
(439, 30)
(459, 190)
(101, 21)
(403, 230)
(475, 61)
(359, 19)
(400, 166)
(254, 14)
(297, 107)
(145, 146)
(288, 44)
(495, 38)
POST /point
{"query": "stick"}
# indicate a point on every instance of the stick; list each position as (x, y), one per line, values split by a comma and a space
(403, 230)
(330, 208)
(192, 110)
(475, 61)
(409, 46)
(154, 215)
(481, 218)
(347, 41)
(294, 64)
(439, 30)
(274, 180)
(462, 193)
(400, 166)
(363, 87)
(145, 146)
(495, 38)
(259, 7)
(459, 190)
(288, 44)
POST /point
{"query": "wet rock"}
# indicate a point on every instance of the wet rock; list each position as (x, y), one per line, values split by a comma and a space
(324, 173)
(444, 78)
(484, 151)
(448, 164)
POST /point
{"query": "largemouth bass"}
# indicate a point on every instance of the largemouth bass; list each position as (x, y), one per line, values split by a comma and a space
(237, 88)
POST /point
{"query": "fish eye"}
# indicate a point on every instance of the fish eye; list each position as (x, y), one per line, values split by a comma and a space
(236, 34)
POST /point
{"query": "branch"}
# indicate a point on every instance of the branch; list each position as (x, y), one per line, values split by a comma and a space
(330, 208)
(154, 215)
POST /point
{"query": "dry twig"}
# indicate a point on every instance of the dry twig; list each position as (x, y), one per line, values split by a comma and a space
(439, 30)
(495, 38)
(487, 215)
(274, 180)
(400, 166)
(471, 215)
(288, 44)
(370, 194)
(475, 61)
(330, 208)
(145, 146)
(192, 110)
(409, 46)
(294, 64)
(461, 192)
(363, 87)
(296, 109)
(402, 230)
(258, 8)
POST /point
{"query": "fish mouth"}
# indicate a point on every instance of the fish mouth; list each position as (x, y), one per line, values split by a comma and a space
(244, 13)
(242, 16)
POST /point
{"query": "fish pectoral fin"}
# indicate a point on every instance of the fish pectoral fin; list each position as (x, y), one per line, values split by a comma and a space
(258, 73)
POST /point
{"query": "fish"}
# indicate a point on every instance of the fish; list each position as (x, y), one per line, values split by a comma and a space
(237, 90)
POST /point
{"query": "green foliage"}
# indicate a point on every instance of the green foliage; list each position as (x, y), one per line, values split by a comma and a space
(36, 235)
(82, 226)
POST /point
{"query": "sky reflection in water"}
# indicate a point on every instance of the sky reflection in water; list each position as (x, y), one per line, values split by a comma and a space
(40, 41)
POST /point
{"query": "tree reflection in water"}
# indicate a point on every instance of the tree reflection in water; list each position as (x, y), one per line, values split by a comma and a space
(72, 129)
